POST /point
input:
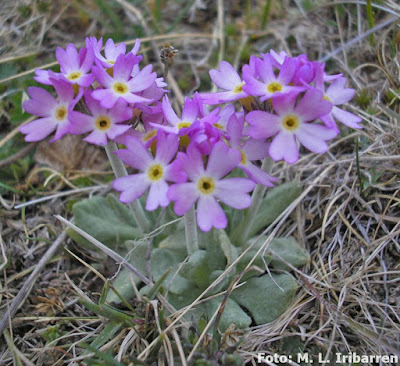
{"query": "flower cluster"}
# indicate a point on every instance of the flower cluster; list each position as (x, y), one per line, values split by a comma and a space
(191, 157)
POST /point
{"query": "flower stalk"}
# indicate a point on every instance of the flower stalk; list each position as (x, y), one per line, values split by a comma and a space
(119, 170)
(192, 243)
(241, 234)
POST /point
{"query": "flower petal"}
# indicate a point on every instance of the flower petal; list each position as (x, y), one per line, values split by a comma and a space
(234, 192)
(167, 145)
(102, 77)
(225, 77)
(123, 67)
(190, 110)
(132, 187)
(184, 195)
(135, 155)
(210, 214)
(39, 129)
(192, 162)
(175, 173)
(288, 69)
(235, 129)
(157, 196)
(43, 97)
(255, 149)
(117, 130)
(263, 124)
(309, 139)
(143, 79)
(284, 104)
(120, 112)
(170, 114)
(97, 138)
(222, 160)
(347, 118)
(284, 146)
(106, 97)
(258, 175)
(312, 106)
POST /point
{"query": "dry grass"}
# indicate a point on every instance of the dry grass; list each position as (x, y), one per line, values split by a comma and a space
(347, 218)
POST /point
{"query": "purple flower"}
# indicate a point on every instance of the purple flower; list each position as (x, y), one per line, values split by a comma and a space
(54, 114)
(190, 114)
(269, 85)
(45, 76)
(104, 123)
(154, 172)
(206, 186)
(291, 123)
(111, 51)
(228, 79)
(121, 84)
(337, 94)
(75, 67)
(250, 150)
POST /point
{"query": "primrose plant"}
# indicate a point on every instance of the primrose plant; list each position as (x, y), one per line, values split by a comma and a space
(211, 163)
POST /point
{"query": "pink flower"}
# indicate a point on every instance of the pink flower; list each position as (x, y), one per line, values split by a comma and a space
(206, 186)
(291, 124)
(45, 76)
(337, 94)
(190, 114)
(54, 114)
(228, 79)
(121, 84)
(269, 85)
(250, 150)
(111, 51)
(104, 123)
(154, 172)
(75, 67)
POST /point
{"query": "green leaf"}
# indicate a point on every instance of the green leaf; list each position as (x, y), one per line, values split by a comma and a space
(266, 297)
(105, 335)
(123, 281)
(290, 251)
(233, 314)
(275, 202)
(107, 220)
(197, 269)
(229, 250)
(287, 248)
(164, 259)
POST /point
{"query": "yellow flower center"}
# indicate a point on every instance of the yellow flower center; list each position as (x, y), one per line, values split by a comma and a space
(206, 185)
(149, 135)
(326, 98)
(103, 123)
(243, 161)
(274, 87)
(184, 124)
(238, 89)
(291, 122)
(220, 127)
(61, 113)
(75, 75)
(120, 88)
(111, 62)
(155, 172)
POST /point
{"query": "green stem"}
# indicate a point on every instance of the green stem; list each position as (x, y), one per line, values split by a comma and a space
(241, 234)
(120, 171)
(192, 243)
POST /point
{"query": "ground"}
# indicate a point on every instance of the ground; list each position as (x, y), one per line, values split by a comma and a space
(347, 217)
